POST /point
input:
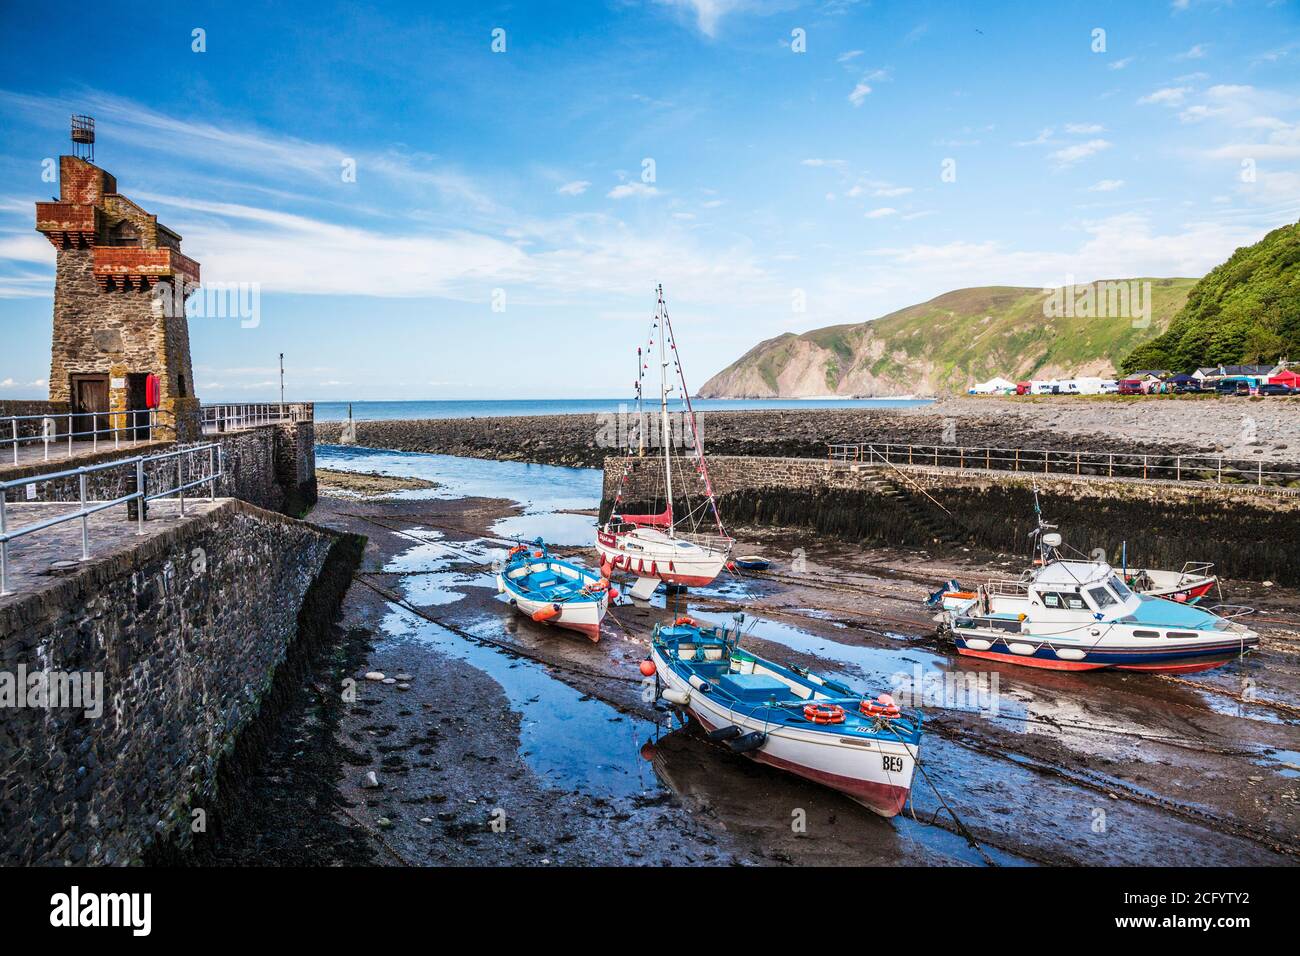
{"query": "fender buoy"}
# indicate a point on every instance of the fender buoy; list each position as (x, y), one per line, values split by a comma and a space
(546, 613)
(152, 391)
(613, 594)
(824, 713)
(647, 668)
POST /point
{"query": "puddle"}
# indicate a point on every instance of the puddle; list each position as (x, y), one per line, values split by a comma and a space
(571, 741)
(555, 528)
(437, 573)
(538, 488)
(1284, 762)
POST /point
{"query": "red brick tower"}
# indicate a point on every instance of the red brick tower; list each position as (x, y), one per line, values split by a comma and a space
(112, 326)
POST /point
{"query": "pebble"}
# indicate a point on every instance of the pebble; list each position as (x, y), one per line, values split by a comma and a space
(384, 822)
(374, 675)
(403, 686)
(426, 819)
(371, 780)
(389, 680)
(405, 677)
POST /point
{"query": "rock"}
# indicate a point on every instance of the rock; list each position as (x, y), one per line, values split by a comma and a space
(426, 819)
(405, 677)
(384, 823)
(403, 686)
(370, 781)
(374, 675)
(389, 680)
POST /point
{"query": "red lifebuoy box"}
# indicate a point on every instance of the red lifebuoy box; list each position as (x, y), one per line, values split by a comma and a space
(152, 391)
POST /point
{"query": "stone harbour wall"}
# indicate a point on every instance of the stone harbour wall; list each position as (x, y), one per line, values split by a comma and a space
(187, 631)
(1247, 532)
(271, 466)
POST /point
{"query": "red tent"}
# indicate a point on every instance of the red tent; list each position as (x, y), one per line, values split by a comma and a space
(1286, 377)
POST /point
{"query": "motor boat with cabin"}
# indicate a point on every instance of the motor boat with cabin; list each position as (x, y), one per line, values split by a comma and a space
(662, 547)
(1081, 615)
(551, 591)
(787, 717)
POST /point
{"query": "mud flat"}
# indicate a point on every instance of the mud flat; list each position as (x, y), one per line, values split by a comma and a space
(492, 717)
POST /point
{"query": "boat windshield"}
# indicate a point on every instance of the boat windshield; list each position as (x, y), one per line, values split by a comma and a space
(1101, 597)
(1119, 587)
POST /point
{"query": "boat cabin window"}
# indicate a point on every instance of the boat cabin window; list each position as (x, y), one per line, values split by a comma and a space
(1146, 633)
(1180, 635)
(1061, 602)
(1102, 598)
(1119, 587)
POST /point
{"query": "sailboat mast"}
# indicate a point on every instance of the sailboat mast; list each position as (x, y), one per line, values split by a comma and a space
(663, 409)
(640, 413)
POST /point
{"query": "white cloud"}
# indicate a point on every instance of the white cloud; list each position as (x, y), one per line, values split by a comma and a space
(1120, 64)
(860, 93)
(1042, 139)
(1084, 128)
(887, 191)
(575, 188)
(624, 190)
(882, 212)
(837, 163)
(847, 56)
(1079, 151)
(1169, 96)
(1106, 185)
(707, 13)
(1196, 52)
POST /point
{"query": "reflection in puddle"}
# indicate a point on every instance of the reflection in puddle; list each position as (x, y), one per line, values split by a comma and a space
(561, 529)
(571, 741)
(1284, 762)
(537, 487)
(428, 576)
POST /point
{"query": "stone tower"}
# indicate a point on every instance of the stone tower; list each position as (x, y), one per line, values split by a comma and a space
(119, 293)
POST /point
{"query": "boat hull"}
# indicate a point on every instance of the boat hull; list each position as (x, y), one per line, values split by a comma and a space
(583, 617)
(855, 768)
(1179, 660)
(665, 563)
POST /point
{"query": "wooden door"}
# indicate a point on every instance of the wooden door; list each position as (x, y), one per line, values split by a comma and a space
(89, 406)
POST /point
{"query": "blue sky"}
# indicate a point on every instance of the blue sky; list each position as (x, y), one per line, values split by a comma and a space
(520, 177)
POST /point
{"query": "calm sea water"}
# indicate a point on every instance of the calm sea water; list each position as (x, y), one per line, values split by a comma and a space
(372, 411)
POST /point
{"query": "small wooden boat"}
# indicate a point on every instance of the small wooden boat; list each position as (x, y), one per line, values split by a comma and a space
(787, 717)
(551, 591)
(752, 562)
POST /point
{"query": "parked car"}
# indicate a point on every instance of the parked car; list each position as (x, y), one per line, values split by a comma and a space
(1230, 387)
(1130, 386)
(1188, 388)
(1276, 388)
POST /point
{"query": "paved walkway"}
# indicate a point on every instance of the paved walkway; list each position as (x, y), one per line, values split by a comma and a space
(42, 557)
(59, 456)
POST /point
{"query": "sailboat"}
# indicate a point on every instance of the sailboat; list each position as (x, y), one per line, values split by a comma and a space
(655, 547)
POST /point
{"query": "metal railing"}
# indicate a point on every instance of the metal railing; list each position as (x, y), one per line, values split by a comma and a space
(145, 467)
(233, 417)
(1212, 469)
(45, 429)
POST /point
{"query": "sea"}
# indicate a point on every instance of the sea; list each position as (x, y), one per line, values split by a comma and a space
(456, 408)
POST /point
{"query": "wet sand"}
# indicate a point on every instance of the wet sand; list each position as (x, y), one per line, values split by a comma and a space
(552, 730)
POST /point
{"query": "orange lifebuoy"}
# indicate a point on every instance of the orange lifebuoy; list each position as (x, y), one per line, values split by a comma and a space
(684, 620)
(824, 713)
(152, 391)
(538, 554)
(884, 708)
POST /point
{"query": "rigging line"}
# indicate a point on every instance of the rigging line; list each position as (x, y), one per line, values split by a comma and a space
(393, 598)
(965, 831)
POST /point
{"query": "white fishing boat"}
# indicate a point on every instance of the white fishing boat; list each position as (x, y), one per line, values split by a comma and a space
(659, 547)
(787, 717)
(1080, 615)
(551, 591)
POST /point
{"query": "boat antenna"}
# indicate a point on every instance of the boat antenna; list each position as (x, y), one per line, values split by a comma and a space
(1045, 552)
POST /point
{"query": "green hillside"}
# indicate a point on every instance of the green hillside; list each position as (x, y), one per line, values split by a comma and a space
(952, 341)
(1244, 312)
